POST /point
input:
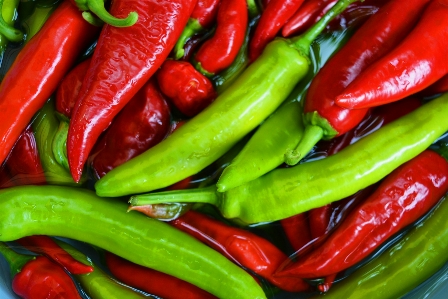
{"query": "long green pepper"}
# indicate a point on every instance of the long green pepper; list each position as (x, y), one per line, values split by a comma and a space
(253, 96)
(289, 191)
(79, 214)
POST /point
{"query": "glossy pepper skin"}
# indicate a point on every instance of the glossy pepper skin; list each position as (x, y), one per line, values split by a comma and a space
(233, 114)
(324, 119)
(151, 281)
(414, 259)
(202, 18)
(273, 17)
(408, 68)
(240, 246)
(218, 52)
(133, 236)
(296, 191)
(142, 123)
(297, 231)
(188, 89)
(65, 35)
(142, 48)
(404, 196)
(47, 246)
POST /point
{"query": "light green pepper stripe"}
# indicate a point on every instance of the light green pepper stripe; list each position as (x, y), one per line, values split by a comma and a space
(79, 214)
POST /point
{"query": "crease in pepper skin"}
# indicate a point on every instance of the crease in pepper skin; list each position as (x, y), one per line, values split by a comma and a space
(251, 98)
(300, 188)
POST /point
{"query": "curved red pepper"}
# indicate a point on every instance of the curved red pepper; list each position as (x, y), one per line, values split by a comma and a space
(69, 88)
(402, 197)
(417, 62)
(35, 73)
(297, 231)
(241, 246)
(142, 123)
(324, 118)
(187, 88)
(46, 246)
(123, 61)
(42, 278)
(152, 281)
(218, 52)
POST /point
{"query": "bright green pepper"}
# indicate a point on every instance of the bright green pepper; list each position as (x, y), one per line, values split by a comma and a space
(253, 96)
(79, 214)
(289, 191)
(98, 284)
(400, 269)
(283, 130)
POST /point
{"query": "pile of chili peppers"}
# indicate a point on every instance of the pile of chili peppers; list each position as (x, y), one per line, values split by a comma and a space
(223, 148)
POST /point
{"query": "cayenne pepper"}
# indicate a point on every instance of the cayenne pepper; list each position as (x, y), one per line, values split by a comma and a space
(141, 49)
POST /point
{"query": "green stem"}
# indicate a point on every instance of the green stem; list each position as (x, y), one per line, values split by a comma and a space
(97, 7)
(310, 137)
(303, 42)
(193, 27)
(11, 33)
(15, 260)
(199, 195)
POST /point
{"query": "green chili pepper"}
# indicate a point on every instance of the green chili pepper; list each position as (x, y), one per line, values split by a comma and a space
(79, 214)
(289, 191)
(283, 130)
(411, 261)
(8, 13)
(98, 284)
(253, 96)
(45, 127)
(34, 17)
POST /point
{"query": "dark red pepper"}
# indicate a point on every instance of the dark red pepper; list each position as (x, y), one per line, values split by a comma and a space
(143, 122)
(323, 117)
(218, 52)
(201, 19)
(241, 246)
(47, 246)
(35, 73)
(297, 231)
(152, 281)
(439, 86)
(188, 89)
(416, 63)
(402, 197)
(123, 61)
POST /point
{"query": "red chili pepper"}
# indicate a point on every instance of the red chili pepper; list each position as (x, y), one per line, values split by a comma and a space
(218, 52)
(42, 278)
(35, 73)
(188, 89)
(241, 246)
(46, 246)
(143, 123)
(402, 197)
(69, 88)
(152, 281)
(297, 231)
(409, 68)
(439, 86)
(324, 119)
(272, 19)
(202, 18)
(123, 61)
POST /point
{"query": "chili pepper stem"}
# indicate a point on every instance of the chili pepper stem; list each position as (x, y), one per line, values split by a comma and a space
(311, 136)
(303, 41)
(15, 260)
(97, 7)
(193, 27)
(198, 195)
(7, 30)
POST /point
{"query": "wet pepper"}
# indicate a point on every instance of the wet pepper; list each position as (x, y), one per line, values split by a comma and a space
(188, 89)
(407, 69)
(152, 281)
(218, 52)
(323, 118)
(240, 246)
(132, 54)
(35, 74)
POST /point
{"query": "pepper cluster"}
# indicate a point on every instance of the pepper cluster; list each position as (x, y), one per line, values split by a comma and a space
(222, 148)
